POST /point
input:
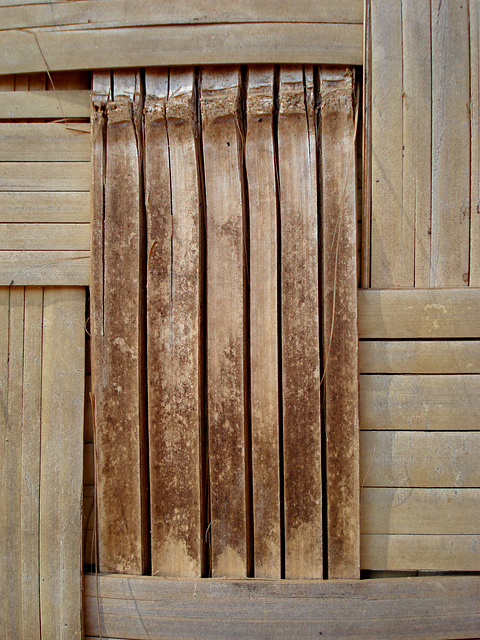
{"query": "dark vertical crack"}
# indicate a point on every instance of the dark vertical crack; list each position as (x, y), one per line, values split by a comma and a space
(205, 516)
(276, 107)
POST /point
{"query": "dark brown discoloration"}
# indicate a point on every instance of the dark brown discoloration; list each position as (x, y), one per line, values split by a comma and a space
(260, 166)
(300, 329)
(225, 320)
(174, 359)
(119, 432)
(340, 306)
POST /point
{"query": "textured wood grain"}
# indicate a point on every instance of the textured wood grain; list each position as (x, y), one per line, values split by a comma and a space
(450, 145)
(420, 552)
(431, 403)
(120, 422)
(403, 510)
(172, 45)
(44, 142)
(431, 608)
(392, 248)
(417, 134)
(419, 459)
(474, 16)
(432, 356)
(44, 104)
(300, 327)
(62, 463)
(44, 176)
(422, 313)
(340, 332)
(174, 291)
(114, 13)
(262, 198)
(226, 326)
(52, 206)
(38, 268)
(43, 237)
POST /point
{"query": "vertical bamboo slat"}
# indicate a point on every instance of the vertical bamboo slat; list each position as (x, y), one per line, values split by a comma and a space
(174, 316)
(300, 329)
(475, 143)
(262, 197)
(450, 145)
(226, 344)
(121, 492)
(61, 462)
(340, 333)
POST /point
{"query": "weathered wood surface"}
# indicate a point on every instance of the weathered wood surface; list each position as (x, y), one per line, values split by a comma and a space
(430, 608)
(474, 19)
(340, 331)
(44, 142)
(174, 290)
(421, 552)
(366, 174)
(45, 268)
(300, 327)
(226, 320)
(44, 237)
(120, 447)
(173, 45)
(450, 145)
(419, 459)
(50, 206)
(405, 510)
(414, 356)
(62, 462)
(264, 292)
(422, 313)
(44, 176)
(71, 103)
(420, 402)
(114, 13)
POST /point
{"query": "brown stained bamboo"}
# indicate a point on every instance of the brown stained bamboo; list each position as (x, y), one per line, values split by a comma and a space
(300, 330)
(51, 206)
(413, 511)
(226, 322)
(340, 331)
(262, 197)
(416, 356)
(44, 104)
(417, 131)
(114, 13)
(11, 468)
(420, 402)
(450, 145)
(419, 459)
(62, 463)
(419, 313)
(120, 448)
(392, 239)
(31, 439)
(474, 14)
(174, 291)
(378, 609)
(421, 552)
(70, 268)
(334, 43)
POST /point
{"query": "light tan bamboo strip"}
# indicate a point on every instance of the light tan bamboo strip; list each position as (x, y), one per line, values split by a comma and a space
(44, 176)
(66, 268)
(44, 104)
(51, 206)
(44, 237)
(44, 142)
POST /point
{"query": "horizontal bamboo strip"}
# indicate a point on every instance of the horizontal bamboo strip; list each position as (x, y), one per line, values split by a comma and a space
(419, 459)
(44, 142)
(44, 176)
(432, 403)
(193, 44)
(420, 552)
(44, 237)
(44, 267)
(419, 313)
(48, 206)
(403, 510)
(449, 356)
(388, 609)
(116, 13)
(45, 104)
